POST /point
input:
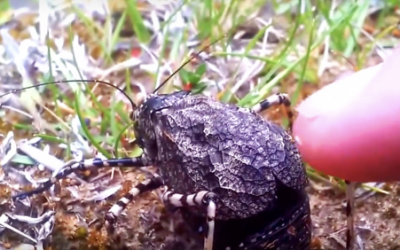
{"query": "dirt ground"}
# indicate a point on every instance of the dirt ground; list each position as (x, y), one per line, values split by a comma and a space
(376, 220)
(147, 225)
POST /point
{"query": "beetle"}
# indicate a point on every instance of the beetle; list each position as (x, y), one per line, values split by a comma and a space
(354, 138)
(222, 163)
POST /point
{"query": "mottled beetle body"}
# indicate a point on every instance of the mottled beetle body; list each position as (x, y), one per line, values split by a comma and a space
(252, 165)
(200, 144)
(237, 178)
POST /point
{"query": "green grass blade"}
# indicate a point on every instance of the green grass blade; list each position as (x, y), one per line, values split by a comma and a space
(137, 21)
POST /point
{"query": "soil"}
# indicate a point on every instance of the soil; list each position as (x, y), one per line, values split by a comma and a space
(146, 224)
(376, 220)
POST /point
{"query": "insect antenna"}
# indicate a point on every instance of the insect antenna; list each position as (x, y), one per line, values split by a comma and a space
(134, 106)
(110, 84)
(71, 81)
(197, 54)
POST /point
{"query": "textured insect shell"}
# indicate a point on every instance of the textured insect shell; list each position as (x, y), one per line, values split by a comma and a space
(201, 144)
(144, 124)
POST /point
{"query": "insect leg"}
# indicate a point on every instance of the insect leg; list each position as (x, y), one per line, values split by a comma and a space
(276, 99)
(202, 198)
(82, 166)
(350, 232)
(145, 186)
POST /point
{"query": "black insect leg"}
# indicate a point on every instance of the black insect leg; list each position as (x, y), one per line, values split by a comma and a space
(74, 166)
(350, 231)
(202, 198)
(276, 99)
(145, 186)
